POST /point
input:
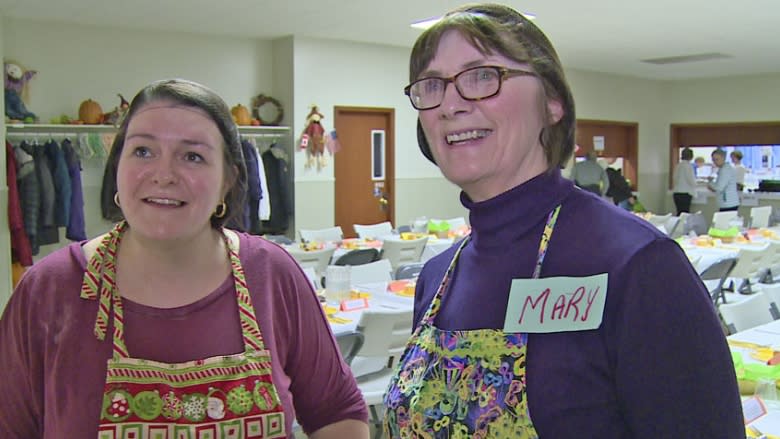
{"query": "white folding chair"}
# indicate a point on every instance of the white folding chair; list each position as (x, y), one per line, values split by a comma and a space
(349, 345)
(378, 271)
(330, 234)
(373, 231)
(399, 251)
(410, 270)
(385, 334)
(659, 220)
(722, 220)
(759, 216)
(750, 312)
(671, 225)
(680, 227)
(316, 259)
(752, 266)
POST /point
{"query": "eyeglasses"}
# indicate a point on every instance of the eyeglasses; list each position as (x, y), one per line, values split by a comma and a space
(472, 84)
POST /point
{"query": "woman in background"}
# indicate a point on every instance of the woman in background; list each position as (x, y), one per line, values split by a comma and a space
(684, 182)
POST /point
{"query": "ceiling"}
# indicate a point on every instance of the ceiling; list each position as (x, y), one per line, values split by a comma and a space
(598, 35)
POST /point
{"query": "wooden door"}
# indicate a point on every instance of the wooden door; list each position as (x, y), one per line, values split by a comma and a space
(621, 139)
(364, 168)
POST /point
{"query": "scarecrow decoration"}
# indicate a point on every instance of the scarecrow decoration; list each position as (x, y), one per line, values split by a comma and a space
(313, 140)
(16, 79)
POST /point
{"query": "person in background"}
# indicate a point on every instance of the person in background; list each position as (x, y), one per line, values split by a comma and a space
(619, 187)
(171, 322)
(495, 352)
(739, 168)
(684, 182)
(698, 162)
(725, 184)
(589, 175)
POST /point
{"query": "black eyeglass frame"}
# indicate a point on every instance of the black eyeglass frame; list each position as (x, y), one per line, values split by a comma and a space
(503, 73)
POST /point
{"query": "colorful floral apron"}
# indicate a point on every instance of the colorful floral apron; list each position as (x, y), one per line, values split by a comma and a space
(229, 396)
(465, 383)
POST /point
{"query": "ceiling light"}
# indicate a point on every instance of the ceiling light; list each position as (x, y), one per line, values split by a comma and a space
(425, 24)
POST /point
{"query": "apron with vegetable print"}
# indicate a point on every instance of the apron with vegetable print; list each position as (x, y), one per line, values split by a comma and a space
(463, 383)
(230, 396)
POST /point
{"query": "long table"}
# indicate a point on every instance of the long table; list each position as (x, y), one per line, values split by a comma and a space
(745, 343)
(380, 298)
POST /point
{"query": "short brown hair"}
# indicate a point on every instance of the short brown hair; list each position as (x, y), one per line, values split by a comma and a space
(493, 28)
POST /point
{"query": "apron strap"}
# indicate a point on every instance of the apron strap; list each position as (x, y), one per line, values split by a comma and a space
(250, 329)
(99, 283)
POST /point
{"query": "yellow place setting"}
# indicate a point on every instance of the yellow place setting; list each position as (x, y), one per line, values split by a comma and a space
(311, 246)
(358, 243)
(404, 287)
(330, 313)
(356, 294)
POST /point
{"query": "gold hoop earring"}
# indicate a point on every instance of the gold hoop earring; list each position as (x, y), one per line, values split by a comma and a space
(221, 210)
(116, 200)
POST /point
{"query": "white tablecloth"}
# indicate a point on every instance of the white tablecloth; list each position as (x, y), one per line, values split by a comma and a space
(380, 298)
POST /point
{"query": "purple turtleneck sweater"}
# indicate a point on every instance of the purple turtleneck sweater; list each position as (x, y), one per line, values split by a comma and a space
(658, 366)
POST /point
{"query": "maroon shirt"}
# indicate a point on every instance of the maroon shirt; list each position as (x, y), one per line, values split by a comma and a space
(53, 367)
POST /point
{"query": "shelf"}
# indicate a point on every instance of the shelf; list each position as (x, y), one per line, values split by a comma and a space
(52, 128)
(18, 129)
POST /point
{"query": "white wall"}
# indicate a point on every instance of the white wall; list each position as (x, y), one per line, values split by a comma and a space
(618, 98)
(735, 99)
(332, 73)
(79, 62)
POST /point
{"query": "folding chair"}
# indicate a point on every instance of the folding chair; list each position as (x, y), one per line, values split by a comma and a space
(747, 313)
(386, 332)
(399, 251)
(317, 259)
(722, 220)
(373, 230)
(409, 270)
(751, 265)
(759, 216)
(349, 345)
(330, 234)
(719, 271)
(358, 257)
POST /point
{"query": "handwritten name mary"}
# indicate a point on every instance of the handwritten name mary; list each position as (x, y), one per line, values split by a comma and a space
(556, 304)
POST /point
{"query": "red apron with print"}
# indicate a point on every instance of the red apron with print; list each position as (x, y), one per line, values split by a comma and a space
(221, 397)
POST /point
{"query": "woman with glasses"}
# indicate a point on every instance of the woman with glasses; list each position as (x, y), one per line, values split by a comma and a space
(561, 315)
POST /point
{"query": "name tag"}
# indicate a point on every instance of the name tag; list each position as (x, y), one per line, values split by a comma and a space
(353, 304)
(556, 304)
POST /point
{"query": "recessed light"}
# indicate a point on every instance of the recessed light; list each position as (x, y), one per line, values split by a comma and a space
(428, 22)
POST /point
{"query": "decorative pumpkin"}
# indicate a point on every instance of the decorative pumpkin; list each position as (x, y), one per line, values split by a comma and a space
(90, 112)
(241, 115)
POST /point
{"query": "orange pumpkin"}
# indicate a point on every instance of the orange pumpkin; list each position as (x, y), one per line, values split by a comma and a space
(90, 112)
(241, 115)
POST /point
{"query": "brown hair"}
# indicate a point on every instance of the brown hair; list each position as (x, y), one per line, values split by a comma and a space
(195, 95)
(493, 28)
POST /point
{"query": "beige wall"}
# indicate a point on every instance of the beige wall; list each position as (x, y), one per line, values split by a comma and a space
(619, 98)
(76, 63)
